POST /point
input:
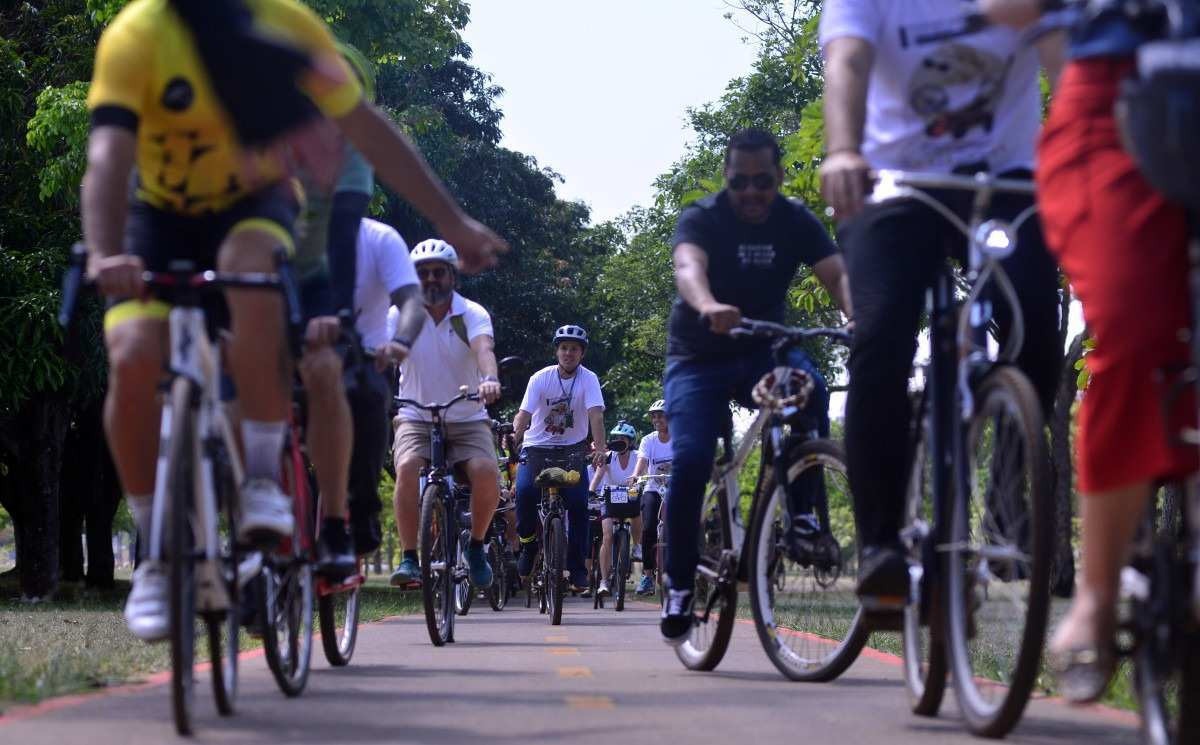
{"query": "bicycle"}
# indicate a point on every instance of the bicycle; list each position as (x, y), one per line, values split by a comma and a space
(548, 578)
(595, 571)
(622, 507)
(441, 570)
(725, 554)
(978, 517)
(199, 468)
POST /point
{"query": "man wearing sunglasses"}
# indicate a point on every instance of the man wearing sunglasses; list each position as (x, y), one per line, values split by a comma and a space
(922, 86)
(455, 347)
(736, 253)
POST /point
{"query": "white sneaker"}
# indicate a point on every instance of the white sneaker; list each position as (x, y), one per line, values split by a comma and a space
(266, 512)
(147, 609)
(637, 552)
(603, 590)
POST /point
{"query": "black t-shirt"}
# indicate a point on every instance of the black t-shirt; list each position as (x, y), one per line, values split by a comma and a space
(750, 266)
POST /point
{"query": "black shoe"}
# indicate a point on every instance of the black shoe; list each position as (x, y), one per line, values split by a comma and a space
(335, 553)
(677, 617)
(883, 579)
(809, 545)
(368, 535)
(525, 560)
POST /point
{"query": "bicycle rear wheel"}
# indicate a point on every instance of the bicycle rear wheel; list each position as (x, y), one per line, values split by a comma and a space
(621, 575)
(437, 545)
(715, 605)
(805, 609)
(498, 592)
(463, 592)
(555, 557)
(997, 568)
(338, 616)
(178, 419)
(287, 615)
(923, 639)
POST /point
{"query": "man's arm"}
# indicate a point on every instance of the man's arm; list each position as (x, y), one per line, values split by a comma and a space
(521, 424)
(691, 279)
(831, 272)
(399, 165)
(848, 62)
(484, 348)
(110, 153)
(410, 322)
(643, 465)
(596, 419)
(599, 477)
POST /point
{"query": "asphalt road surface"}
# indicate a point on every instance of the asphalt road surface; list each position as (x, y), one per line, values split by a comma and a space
(600, 677)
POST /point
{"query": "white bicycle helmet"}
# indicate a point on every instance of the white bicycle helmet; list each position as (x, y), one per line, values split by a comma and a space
(434, 249)
(570, 333)
(624, 429)
(659, 406)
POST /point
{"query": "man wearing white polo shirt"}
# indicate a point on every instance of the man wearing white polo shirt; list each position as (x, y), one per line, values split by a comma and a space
(455, 348)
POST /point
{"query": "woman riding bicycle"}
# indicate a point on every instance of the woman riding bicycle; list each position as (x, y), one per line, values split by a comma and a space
(614, 474)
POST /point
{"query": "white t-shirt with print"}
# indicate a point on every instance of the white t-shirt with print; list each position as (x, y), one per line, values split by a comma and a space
(441, 361)
(560, 406)
(383, 266)
(941, 94)
(657, 455)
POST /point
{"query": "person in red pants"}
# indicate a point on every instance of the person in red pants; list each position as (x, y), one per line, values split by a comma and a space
(1123, 246)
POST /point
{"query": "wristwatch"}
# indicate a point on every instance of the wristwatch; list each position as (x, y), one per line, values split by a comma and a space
(489, 379)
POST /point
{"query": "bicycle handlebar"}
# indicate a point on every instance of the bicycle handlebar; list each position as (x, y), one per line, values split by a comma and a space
(751, 328)
(431, 408)
(893, 182)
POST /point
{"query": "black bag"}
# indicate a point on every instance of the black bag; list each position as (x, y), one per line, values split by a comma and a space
(626, 507)
(1158, 109)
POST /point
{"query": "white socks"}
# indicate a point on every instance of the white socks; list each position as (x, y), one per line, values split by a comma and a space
(264, 448)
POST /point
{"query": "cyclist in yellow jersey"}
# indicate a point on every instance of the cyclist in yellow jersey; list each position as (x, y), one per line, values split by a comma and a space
(152, 107)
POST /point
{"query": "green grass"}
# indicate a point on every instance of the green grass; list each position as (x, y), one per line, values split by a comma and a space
(79, 642)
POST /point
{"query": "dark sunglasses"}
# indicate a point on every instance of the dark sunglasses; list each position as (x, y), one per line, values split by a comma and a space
(436, 272)
(760, 181)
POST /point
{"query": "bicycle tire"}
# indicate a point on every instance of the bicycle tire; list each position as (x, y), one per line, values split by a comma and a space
(339, 643)
(822, 649)
(708, 640)
(621, 576)
(178, 417)
(286, 609)
(223, 650)
(923, 642)
(1004, 394)
(595, 574)
(498, 592)
(555, 554)
(464, 593)
(435, 548)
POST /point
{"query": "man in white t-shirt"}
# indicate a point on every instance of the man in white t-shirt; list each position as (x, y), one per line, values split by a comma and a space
(922, 85)
(561, 403)
(654, 459)
(456, 349)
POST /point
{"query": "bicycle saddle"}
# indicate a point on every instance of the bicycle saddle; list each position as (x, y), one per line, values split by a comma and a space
(556, 477)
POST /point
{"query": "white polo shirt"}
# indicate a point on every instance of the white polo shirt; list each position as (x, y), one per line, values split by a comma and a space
(560, 407)
(441, 362)
(658, 455)
(382, 267)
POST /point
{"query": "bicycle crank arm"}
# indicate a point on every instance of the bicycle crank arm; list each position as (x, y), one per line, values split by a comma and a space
(437, 566)
(210, 587)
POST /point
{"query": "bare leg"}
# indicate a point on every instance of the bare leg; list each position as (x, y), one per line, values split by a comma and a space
(606, 548)
(1109, 523)
(136, 349)
(405, 500)
(485, 494)
(330, 428)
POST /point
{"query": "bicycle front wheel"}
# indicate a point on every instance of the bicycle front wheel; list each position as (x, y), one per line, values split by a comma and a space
(337, 613)
(555, 558)
(463, 592)
(923, 639)
(224, 629)
(498, 592)
(715, 604)
(621, 575)
(178, 420)
(287, 614)
(805, 609)
(997, 567)
(436, 546)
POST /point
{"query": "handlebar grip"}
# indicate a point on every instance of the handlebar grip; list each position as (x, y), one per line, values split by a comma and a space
(71, 282)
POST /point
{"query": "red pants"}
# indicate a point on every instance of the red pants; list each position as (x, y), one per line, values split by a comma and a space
(1124, 249)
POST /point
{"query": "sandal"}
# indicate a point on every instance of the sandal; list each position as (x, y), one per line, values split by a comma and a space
(1083, 672)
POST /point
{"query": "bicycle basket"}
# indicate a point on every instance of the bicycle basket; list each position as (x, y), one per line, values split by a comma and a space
(619, 503)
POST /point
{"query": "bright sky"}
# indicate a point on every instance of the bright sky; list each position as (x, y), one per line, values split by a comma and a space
(597, 91)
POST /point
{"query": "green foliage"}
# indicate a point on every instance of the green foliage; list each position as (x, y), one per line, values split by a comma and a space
(58, 133)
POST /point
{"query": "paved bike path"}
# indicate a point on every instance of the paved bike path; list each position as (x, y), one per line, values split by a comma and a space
(512, 678)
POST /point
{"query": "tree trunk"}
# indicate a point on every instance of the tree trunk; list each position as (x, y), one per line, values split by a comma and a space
(45, 419)
(391, 553)
(1062, 566)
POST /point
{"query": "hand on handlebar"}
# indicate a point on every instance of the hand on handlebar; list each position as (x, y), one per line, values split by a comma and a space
(392, 353)
(599, 457)
(844, 177)
(489, 391)
(721, 318)
(322, 331)
(117, 276)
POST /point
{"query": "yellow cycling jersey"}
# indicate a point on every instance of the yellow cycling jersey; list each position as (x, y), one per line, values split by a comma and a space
(150, 77)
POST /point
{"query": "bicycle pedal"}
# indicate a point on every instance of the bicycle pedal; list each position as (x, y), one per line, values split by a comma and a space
(883, 620)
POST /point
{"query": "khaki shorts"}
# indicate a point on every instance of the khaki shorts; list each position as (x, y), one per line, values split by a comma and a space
(464, 441)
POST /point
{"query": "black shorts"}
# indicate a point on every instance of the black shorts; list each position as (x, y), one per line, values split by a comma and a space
(163, 239)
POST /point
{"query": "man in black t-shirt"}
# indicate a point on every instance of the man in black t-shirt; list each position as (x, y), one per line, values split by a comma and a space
(736, 253)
